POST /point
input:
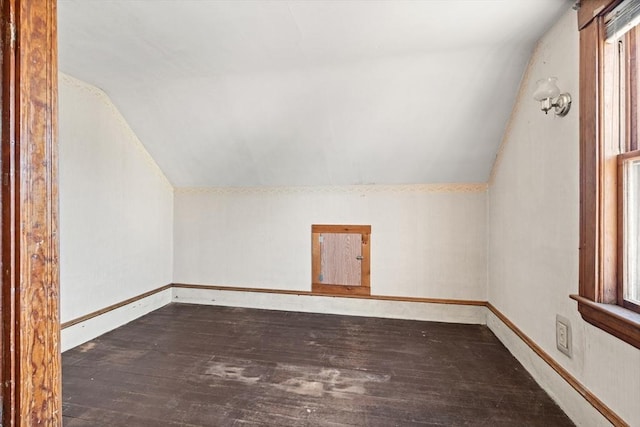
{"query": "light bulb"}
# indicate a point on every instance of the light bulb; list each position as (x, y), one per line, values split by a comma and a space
(546, 88)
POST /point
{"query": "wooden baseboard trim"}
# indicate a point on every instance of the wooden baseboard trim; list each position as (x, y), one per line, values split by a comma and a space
(319, 294)
(112, 307)
(573, 382)
(268, 291)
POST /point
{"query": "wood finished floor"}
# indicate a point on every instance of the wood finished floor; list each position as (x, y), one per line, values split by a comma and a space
(190, 365)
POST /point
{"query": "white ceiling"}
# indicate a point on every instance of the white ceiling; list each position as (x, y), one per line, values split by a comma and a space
(250, 93)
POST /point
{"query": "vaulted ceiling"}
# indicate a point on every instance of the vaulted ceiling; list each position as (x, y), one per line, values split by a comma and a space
(251, 93)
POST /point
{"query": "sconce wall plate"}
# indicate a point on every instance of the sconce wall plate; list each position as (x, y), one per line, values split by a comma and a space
(562, 104)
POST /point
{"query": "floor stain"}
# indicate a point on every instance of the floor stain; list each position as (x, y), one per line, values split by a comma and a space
(317, 383)
(231, 373)
(302, 380)
(86, 347)
(302, 386)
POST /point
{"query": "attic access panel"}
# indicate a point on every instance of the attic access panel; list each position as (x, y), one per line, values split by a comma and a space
(341, 259)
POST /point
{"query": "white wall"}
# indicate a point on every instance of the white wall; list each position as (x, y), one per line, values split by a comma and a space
(426, 241)
(116, 207)
(533, 234)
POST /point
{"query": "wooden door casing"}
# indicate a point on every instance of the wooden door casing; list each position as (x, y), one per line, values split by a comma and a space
(31, 362)
(341, 259)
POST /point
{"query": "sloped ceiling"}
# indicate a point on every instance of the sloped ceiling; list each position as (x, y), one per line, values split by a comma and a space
(251, 93)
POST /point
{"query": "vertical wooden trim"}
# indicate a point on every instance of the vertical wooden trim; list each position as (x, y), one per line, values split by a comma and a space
(365, 264)
(591, 54)
(30, 215)
(608, 150)
(621, 250)
(7, 182)
(38, 321)
(316, 266)
(631, 89)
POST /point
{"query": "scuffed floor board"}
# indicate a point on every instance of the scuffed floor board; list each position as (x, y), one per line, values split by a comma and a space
(206, 365)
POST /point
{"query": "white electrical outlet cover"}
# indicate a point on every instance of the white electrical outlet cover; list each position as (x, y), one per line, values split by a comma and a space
(563, 335)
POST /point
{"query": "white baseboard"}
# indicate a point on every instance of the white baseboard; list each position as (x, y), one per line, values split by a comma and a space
(89, 329)
(452, 313)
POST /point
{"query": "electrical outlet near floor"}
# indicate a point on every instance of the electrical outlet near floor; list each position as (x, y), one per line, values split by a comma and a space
(563, 335)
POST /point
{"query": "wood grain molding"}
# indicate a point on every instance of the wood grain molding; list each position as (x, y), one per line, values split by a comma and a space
(590, 186)
(134, 299)
(339, 290)
(598, 404)
(112, 307)
(327, 228)
(311, 294)
(616, 320)
(31, 337)
(7, 307)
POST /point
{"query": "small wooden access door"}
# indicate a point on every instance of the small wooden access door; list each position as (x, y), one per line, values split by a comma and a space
(341, 259)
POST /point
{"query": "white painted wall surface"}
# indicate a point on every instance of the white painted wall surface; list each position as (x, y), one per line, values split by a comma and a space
(116, 207)
(426, 241)
(533, 238)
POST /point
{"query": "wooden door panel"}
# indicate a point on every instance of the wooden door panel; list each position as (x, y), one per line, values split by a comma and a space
(340, 259)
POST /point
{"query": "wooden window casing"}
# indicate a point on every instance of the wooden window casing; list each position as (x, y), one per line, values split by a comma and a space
(600, 299)
(364, 288)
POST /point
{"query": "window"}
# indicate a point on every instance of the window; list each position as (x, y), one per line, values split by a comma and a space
(340, 259)
(629, 176)
(627, 51)
(610, 167)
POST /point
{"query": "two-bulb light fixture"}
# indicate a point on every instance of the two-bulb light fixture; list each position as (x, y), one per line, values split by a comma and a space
(549, 96)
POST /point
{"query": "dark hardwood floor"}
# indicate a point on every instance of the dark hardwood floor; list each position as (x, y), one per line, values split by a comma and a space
(190, 365)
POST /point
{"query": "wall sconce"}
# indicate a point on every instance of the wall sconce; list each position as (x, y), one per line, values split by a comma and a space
(548, 93)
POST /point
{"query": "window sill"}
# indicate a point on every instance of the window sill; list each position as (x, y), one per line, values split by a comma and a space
(618, 321)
